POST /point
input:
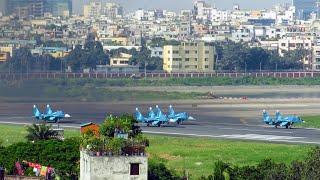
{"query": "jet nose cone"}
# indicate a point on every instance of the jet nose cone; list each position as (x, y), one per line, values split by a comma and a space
(67, 116)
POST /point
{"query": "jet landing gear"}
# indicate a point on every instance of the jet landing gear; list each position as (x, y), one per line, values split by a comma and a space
(289, 126)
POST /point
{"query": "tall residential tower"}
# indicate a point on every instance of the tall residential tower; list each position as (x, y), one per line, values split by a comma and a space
(304, 8)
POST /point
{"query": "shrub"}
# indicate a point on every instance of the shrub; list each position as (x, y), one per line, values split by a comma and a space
(62, 155)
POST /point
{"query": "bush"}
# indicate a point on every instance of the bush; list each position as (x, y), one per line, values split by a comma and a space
(269, 170)
(158, 171)
(62, 155)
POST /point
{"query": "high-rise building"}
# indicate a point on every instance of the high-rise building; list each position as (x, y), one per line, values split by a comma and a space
(59, 7)
(2, 6)
(97, 8)
(304, 8)
(38, 8)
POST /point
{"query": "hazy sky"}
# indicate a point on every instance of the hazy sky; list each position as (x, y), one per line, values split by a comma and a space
(187, 4)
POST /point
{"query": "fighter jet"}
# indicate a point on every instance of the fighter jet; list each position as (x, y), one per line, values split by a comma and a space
(154, 118)
(50, 115)
(178, 117)
(280, 121)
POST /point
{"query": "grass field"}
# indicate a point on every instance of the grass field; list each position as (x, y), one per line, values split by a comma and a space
(198, 155)
(310, 122)
(195, 155)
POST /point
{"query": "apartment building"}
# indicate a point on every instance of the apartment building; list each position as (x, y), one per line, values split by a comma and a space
(189, 57)
(293, 43)
(316, 58)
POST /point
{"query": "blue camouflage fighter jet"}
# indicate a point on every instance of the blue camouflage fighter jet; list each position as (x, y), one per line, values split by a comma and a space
(50, 115)
(280, 121)
(178, 117)
(154, 118)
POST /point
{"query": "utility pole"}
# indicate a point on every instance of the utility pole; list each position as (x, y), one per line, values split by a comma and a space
(260, 66)
(145, 70)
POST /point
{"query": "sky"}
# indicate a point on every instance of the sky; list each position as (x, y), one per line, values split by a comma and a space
(176, 5)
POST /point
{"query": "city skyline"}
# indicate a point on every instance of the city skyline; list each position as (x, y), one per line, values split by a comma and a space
(176, 5)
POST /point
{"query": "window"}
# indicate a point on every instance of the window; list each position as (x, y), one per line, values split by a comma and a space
(206, 66)
(169, 52)
(283, 44)
(195, 66)
(206, 59)
(175, 52)
(187, 59)
(115, 62)
(196, 59)
(196, 52)
(317, 59)
(160, 53)
(134, 169)
(187, 66)
(207, 52)
(187, 52)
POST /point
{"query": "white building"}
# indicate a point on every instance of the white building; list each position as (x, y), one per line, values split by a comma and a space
(293, 43)
(156, 52)
(316, 58)
(202, 10)
(113, 167)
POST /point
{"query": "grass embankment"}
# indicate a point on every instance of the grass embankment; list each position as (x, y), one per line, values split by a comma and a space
(310, 122)
(195, 155)
(55, 90)
(194, 81)
(79, 90)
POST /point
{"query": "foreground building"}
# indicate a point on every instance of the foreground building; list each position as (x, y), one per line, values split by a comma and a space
(189, 57)
(113, 167)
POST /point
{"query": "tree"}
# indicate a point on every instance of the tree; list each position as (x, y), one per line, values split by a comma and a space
(40, 132)
(61, 155)
(89, 57)
(22, 61)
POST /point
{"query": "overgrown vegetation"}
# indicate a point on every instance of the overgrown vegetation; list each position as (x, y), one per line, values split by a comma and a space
(78, 90)
(269, 170)
(62, 155)
(116, 136)
(40, 132)
(97, 89)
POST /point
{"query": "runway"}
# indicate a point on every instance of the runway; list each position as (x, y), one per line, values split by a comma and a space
(214, 119)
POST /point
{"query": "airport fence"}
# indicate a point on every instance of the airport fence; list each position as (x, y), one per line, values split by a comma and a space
(59, 75)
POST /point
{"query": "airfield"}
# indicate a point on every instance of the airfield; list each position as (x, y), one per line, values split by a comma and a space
(234, 118)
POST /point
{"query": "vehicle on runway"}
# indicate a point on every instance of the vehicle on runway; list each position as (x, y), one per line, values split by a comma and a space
(280, 121)
(153, 119)
(50, 115)
(178, 117)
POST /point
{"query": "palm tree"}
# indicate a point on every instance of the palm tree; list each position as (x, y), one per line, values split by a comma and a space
(40, 132)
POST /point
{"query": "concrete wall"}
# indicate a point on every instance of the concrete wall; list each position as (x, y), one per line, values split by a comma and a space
(111, 167)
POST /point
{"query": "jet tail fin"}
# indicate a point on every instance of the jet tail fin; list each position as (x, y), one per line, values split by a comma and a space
(139, 117)
(171, 111)
(49, 110)
(266, 118)
(36, 112)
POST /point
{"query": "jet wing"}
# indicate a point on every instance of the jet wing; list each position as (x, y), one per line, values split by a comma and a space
(284, 123)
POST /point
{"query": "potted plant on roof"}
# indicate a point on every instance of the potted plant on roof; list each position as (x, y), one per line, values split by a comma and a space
(97, 145)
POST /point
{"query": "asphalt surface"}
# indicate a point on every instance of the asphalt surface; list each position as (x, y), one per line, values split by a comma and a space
(214, 119)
